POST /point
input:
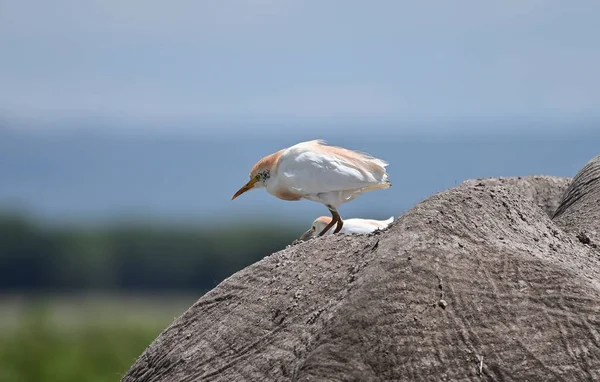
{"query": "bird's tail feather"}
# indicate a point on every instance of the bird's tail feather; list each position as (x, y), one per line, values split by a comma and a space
(378, 186)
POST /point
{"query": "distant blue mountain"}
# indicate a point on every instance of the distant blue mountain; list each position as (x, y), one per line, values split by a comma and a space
(95, 176)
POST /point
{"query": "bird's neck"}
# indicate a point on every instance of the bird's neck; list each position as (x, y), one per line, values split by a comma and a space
(270, 182)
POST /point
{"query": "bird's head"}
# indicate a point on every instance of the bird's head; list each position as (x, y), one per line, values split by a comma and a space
(259, 174)
(317, 226)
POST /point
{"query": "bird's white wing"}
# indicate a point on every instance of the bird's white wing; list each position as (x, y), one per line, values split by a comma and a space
(310, 172)
(358, 226)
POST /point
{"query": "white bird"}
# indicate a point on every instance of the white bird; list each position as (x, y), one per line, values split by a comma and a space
(326, 174)
(356, 226)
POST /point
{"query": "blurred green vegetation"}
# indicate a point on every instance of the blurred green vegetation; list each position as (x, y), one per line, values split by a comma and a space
(45, 344)
(53, 324)
(132, 256)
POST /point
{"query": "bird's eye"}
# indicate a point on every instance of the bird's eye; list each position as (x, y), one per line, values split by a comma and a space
(257, 177)
(313, 228)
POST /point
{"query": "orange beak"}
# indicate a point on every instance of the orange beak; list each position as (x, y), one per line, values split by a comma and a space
(247, 187)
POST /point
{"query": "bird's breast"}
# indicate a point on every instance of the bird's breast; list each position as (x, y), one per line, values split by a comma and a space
(285, 194)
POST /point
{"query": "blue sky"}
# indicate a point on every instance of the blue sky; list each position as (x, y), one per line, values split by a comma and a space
(299, 69)
(273, 60)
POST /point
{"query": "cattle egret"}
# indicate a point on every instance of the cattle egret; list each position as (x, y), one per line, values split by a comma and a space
(357, 226)
(315, 171)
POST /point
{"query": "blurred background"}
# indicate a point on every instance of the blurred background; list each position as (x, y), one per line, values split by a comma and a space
(126, 127)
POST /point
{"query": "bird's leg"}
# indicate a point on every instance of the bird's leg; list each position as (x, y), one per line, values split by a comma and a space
(334, 219)
(340, 224)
